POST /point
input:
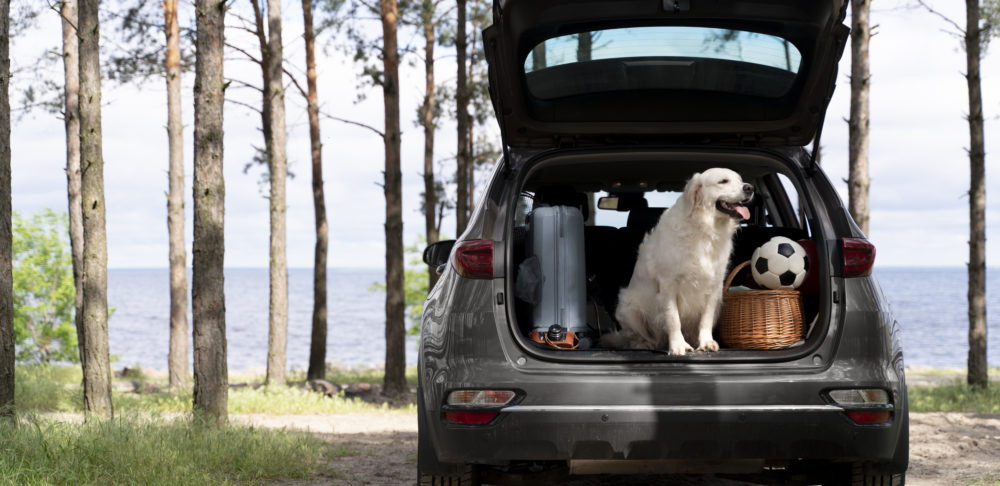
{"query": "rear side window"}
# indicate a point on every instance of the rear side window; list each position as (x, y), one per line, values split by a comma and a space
(662, 57)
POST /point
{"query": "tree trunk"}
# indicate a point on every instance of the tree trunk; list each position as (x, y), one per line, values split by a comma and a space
(462, 118)
(538, 61)
(857, 179)
(97, 369)
(6, 234)
(177, 359)
(583, 46)
(977, 372)
(427, 120)
(395, 352)
(208, 299)
(317, 349)
(71, 117)
(277, 337)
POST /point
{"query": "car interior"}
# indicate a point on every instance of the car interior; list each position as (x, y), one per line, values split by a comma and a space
(621, 203)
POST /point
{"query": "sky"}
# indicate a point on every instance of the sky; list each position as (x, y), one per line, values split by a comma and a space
(918, 162)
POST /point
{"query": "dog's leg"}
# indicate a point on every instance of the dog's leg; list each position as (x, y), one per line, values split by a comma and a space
(678, 346)
(705, 340)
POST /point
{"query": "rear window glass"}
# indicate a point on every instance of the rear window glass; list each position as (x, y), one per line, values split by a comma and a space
(671, 57)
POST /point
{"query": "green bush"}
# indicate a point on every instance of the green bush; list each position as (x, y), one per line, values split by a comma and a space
(44, 293)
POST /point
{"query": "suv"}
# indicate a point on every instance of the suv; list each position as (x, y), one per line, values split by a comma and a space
(607, 108)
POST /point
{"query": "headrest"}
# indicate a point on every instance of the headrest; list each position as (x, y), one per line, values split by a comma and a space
(644, 218)
(561, 196)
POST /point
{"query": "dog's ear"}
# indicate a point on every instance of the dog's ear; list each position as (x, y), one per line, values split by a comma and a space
(693, 190)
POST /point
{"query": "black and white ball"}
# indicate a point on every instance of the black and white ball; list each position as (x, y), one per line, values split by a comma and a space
(779, 264)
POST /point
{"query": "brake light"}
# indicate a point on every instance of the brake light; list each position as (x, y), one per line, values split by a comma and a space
(470, 418)
(474, 259)
(870, 417)
(859, 256)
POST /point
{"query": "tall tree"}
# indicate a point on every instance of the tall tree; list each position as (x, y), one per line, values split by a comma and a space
(975, 36)
(317, 348)
(208, 299)
(273, 121)
(6, 235)
(462, 119)
(395, 330)
(71, 119)
(97, 366)
(177, 359)
(857, 179)
(427, 121)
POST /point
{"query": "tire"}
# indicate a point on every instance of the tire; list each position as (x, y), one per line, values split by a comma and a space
(864, 474)
(467, 477)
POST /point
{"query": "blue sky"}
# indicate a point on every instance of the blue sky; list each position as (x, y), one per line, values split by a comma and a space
(919, 167)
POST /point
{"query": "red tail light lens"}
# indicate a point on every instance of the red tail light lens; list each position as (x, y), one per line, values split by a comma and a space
(470, 418)
(859, 256)
(474, 259)
(870, 417)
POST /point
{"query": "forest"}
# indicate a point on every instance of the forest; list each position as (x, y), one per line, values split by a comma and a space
(220, 57)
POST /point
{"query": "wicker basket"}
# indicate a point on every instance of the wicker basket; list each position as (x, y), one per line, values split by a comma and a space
(759, 319)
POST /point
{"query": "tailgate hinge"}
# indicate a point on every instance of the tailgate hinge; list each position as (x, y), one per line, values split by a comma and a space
(676, 6)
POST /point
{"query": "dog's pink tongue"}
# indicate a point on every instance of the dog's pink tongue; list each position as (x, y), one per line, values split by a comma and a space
(743, 211)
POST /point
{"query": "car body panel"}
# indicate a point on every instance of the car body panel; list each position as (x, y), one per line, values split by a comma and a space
(658, 115)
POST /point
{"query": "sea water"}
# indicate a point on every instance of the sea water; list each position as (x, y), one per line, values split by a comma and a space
(929, 303)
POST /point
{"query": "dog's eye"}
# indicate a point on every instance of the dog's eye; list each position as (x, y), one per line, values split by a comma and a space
(724, 181)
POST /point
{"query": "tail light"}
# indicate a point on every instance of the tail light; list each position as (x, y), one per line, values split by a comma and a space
(474, 259)
(864, 405)
(859, 256)
(476, 407)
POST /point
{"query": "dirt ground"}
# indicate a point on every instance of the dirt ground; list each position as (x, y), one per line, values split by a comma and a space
(954, 449)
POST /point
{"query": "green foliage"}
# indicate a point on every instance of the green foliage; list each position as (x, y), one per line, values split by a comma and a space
(955, 397)
(273, 400)
(47, 388)
(136, 450)
(44, 293)
(415, 279)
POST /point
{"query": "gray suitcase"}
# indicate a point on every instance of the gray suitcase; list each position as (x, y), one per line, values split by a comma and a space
(556, 234)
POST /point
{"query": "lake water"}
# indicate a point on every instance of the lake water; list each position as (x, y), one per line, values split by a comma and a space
(929, 303)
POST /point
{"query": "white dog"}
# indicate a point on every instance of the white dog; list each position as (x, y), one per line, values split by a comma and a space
(676, 288)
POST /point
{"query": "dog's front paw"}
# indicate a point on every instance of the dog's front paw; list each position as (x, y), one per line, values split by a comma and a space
(680, 348)
(708, 345)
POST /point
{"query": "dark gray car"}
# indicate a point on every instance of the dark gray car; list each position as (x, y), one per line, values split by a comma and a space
(608, 107)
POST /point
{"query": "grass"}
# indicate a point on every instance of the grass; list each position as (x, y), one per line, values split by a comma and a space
(989, 480)
(45, 388)
(955, 397)
(135, 450)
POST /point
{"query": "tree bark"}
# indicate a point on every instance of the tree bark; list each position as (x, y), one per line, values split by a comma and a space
(177, 359)
(208, 299)
(462, 119)
(277, 339)
(6, 234)
(395, 353)
(71, 118)
(584, 42)
(857, 179)
(538, 61)
(427, 120)
(317, 349)
(97, 369)
(977, 366)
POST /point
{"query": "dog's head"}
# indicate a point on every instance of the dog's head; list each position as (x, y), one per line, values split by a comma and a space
(721, 189)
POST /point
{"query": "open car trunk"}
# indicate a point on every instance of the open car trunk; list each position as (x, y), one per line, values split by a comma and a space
(580, 217)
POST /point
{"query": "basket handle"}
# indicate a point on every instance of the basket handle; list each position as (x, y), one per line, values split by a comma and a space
(732, 275)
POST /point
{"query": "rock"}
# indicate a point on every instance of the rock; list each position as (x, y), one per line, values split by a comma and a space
(325, 387)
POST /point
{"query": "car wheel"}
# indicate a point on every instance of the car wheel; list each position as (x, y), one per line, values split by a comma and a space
(467, 477)
(863, 474)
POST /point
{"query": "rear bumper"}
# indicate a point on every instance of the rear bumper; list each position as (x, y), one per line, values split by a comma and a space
(770, 434)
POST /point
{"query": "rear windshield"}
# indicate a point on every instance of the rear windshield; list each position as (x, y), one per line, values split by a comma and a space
(657, 58)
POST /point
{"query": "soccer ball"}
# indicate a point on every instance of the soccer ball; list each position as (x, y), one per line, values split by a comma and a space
(779, 264)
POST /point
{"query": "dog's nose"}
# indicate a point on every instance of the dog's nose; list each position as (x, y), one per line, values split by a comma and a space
(748, 189)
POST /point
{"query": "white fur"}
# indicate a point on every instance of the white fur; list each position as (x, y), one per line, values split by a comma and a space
(675, 293)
